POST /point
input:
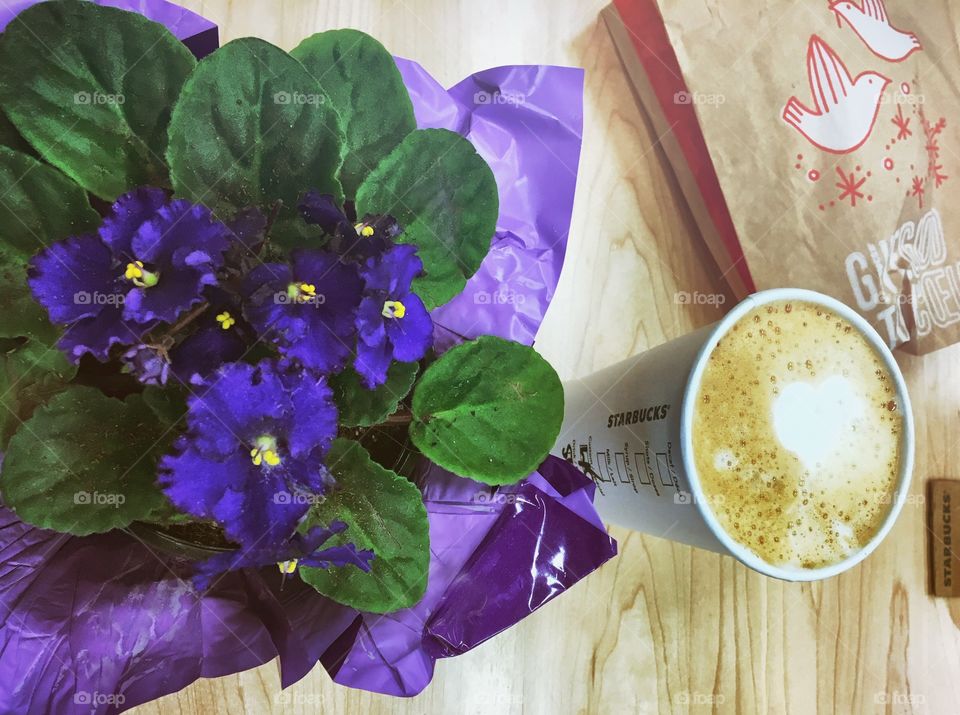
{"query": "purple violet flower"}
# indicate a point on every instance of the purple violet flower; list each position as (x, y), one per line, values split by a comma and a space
(149, 365)
(352, 241)
(81, 285)
(307, 308)
(324, 211)
(148, 264)
(252, 458)
(172, 257)
(221, 337)
(300, 550)
(202, 352)
(392, 322)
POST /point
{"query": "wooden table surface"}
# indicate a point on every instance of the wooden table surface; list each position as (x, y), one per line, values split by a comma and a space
(663, 627)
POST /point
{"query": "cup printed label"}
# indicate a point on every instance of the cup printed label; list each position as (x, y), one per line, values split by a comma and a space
(636, 464)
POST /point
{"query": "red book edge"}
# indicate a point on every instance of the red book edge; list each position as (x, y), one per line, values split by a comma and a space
(649, 38)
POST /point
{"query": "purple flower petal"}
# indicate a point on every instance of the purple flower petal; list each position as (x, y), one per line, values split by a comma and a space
(255, 506)
(197, 258)
(321, 347)
(314, 422)
(370, 323)
(394, 271)
(337, 282)
(252, 456)
(265, 293)
(147, 364)
(345, 555)
(177, 292)
(202, 352)
(179, 224)
(75, 278)
(304, 548)
(324, 211)
(150, 262)
(240, 402)
(184, 246)
(369, 238)
(129, 213)
(201, 497)
(372, 362)
(392, 322)
(412, 334)
(318, 329)
(265, 511)
(98, 334)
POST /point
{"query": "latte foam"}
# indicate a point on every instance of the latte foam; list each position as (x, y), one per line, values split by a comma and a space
(797, 435)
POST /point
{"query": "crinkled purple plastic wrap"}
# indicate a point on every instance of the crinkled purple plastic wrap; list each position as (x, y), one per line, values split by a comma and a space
(103, 623)
(527, 123)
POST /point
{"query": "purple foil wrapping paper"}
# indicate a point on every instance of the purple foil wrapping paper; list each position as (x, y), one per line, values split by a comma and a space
(527, 123)
(103, 623)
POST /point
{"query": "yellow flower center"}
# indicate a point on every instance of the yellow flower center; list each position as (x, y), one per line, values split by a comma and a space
(265, 451)
(364, 230)
(288, 567)
(393, 309)
(302, 292)
(140, 276)
(226, 320)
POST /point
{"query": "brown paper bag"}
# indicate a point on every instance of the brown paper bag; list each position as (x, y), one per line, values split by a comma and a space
(834, 133)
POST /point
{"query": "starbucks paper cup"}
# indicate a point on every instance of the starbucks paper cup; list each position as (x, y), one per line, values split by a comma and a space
(629, 427)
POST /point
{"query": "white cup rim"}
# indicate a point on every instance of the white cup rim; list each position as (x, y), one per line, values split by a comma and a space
(740, 552)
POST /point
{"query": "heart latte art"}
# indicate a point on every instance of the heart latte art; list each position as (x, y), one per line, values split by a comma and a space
(797, 435)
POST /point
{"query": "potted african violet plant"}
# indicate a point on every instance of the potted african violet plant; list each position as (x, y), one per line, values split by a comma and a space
(219, 279)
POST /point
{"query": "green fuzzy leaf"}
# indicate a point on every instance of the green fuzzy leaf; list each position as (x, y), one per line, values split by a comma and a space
(30, 374)
(361, 78)
(168, 403)
(91, 89)
(384, 512)
(27, 224)
(85, 463)
(11, 138)
(169, 406)
(445, 197)
(489, 409)
(253, 127)
(291, 231)
(22, 316)
(360, 407)
(38, 206)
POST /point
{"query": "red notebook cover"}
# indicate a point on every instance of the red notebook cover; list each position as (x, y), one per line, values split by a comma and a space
(649, 39)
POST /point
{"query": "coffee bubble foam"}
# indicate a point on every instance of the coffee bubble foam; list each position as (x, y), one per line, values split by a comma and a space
(796, 435)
